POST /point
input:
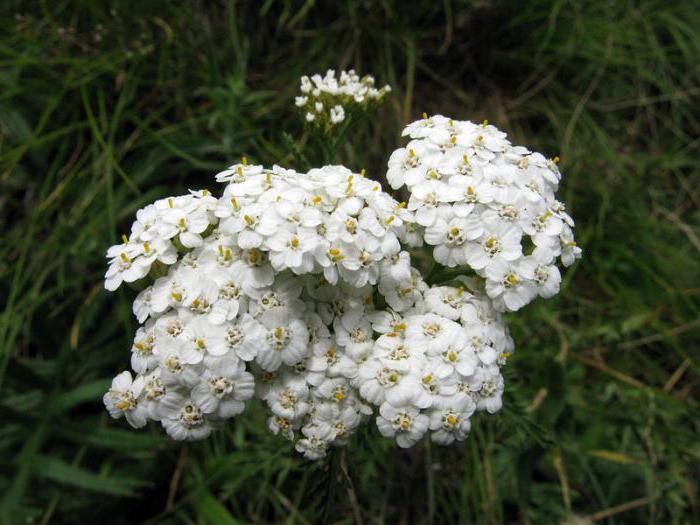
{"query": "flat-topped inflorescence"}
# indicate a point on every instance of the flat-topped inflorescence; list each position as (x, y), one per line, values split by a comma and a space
(487, 205)
(274, 293)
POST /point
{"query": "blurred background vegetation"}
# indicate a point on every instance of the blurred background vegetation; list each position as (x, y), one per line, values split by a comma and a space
(106, 106)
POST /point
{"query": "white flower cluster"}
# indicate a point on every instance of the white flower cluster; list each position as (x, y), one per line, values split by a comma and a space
(298, 289)
(326, 99)
(158, 231)
(233, 301)
(435, 363)
(486, 204)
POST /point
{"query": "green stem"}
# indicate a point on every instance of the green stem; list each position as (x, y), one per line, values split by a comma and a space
(331, 484)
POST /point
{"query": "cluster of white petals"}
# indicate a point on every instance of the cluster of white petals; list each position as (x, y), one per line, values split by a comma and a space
(298, 289)
(325, 100)
(488, 205)
(154, 234)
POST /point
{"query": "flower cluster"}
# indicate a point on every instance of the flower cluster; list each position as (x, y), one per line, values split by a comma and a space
(299, 289)
(435, 363)
(283, 252)
(326, 99)
(160, 228)
(488, 205)
(320, 355)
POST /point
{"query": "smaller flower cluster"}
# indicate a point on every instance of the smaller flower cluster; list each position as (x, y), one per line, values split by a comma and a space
(326, 99)
(486, 204)
(236, 302)
(208, 327)
(427, 368)
(313, 401)
(329, 221)
(435, 364)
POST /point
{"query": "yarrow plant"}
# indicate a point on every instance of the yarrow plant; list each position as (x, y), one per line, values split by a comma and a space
(299, 289)
(326, 100)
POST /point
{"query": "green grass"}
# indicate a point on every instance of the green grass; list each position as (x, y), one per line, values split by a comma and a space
(102, 112)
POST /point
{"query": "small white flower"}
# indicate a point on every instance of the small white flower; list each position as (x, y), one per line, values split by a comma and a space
(406, 424)
(427, 197)
(222, 392)
(142, 307)
(245, 337)
(378, 380)
(288, 398)
(489, 396)
(253, 225)
(153, 393)
(446, 301)
(569, 250)
(499, 243)
(403, 295)
(293, 250)
(354, 332)
(538, 268)
(329, 361)
(432, 332)
(126, 266)
(396, 268)
(458, 358)
(143, 358)
(144, 228)
(315, 442)
(279, 425)
(451, 422)
(183, 419)
(306, 85)
(122, 399)
(285, 340)
(337, 114)
(206, 338)
(450, 235)
(410, 165)
(187, 226)
(179, 362)
(238, 173)
(337, 421)
(508, 283)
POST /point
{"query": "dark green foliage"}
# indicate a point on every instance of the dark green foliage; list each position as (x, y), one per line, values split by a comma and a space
(105, 106)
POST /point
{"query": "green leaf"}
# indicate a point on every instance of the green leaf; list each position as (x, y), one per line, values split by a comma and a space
(212, 511)
(110, 438)
(92, 391)
(57, 470)
(16, 124)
